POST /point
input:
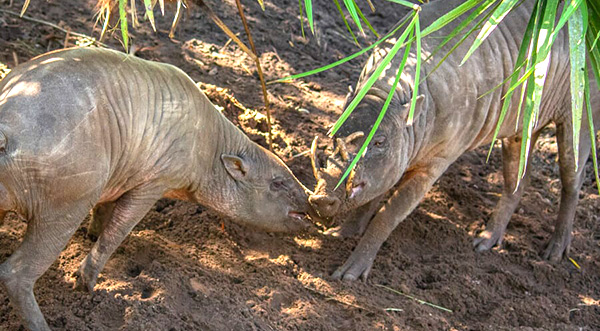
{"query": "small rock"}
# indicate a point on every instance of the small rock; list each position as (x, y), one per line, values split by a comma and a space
(404, 288)
(197, 286)
(303, 111)
(279, 300)
(213, 71)
(314, 86)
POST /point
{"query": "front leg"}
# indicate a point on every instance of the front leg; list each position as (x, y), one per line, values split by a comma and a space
(127, 211)
(355, 222)
(413, 187)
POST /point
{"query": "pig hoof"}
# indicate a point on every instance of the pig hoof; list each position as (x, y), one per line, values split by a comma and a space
(93, 237)
(346, 230)
(351, 275)
(94, 230)
(555, 251)
(486, 240)
(83, 283)
(336, 232)
(80, 285)
(354, 268)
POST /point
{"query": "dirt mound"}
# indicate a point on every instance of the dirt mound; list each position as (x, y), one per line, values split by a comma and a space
(184, 267)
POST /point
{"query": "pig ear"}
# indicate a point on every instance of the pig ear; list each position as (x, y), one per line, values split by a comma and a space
(418, 107)
(235, 166)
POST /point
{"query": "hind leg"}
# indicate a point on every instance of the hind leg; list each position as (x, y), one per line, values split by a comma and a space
(2, 216)
(571, 181)
(100, 216)
(494, 231)
(47, 234)
(129, 209)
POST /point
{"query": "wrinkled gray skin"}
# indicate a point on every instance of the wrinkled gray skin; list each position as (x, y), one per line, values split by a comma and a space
(405, 160)
(90, 127)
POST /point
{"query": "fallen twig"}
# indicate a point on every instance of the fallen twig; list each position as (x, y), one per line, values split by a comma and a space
(35, 20)
(575, 263)
(300, 154)
(211, 14)
(66, 42)
(225, 46)
(413, 298)
(371, 6)
(260, 73)
(15, 58)
(349, 304)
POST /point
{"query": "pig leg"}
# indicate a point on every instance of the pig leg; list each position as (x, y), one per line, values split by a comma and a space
(129, 209)
(100, 216)
(494, 231)
(356, 220)
(571, 181)
(413, 187)
(2, 216)
(47, 234)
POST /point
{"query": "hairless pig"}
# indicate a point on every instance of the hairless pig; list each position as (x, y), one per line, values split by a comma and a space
(405, 159)
(92, 127)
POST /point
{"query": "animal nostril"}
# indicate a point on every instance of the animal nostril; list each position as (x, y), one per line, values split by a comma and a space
(325, 204)
(327, 201)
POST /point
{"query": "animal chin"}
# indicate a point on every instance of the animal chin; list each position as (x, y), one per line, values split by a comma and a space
(356, 189)
(299, 222)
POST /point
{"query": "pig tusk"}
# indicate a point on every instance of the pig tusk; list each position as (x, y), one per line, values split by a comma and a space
(355, 135)
(350, 182)
(313, 158)
(341, 147)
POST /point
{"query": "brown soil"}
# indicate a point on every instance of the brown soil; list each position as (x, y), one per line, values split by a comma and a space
(184, 267)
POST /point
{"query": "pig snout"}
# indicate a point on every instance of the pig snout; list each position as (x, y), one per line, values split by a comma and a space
(326, 206)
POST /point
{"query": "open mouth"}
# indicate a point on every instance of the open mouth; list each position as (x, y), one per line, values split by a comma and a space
(300, 222)
(356, 189)
(297, 215)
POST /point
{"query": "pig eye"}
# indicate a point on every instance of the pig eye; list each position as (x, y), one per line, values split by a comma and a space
(278, 184)
(379, 141)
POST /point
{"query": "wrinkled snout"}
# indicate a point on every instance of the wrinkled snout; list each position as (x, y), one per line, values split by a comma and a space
(326, 206)
(297, 220)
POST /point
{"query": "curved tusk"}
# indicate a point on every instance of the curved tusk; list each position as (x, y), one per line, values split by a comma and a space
(341, 147)
(313, 158)
(355, 135)
(350, 182)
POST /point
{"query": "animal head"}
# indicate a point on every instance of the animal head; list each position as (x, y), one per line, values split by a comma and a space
(264, 193)
(379, 169)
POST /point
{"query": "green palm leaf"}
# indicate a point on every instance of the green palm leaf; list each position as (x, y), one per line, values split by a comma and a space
(384, 109)
(497, 17)
(309, 15)
(413, 101)
(123, 17)
(535, 85)
(351, 7)
(339, 8)
(577, 56)
(150, 13)
(344, 60)
(374, 76)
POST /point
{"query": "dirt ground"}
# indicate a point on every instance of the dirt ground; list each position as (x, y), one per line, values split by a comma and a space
(186, 268)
